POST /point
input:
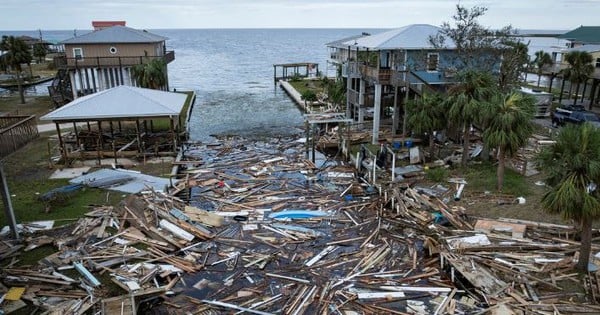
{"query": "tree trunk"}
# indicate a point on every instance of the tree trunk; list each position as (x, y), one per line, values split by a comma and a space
(550, 85)
(500, 169)
(539, 77)
(586, 245)
(576, 94)
(570, 90)
(465, 155)
(20, 85)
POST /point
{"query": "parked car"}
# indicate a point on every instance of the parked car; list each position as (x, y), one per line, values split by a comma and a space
(575, 115)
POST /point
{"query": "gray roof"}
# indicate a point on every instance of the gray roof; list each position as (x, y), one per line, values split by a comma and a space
(121, 102)
(116, 34)
(341, 43)
(133, 182)
(414, 36)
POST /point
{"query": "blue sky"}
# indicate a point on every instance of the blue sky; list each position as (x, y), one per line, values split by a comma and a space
(154, 14)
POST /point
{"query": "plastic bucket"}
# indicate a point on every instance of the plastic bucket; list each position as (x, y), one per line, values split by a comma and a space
(408, 144)
(397, 145)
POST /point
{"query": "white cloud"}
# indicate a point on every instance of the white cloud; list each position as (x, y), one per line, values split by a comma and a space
(63, 14)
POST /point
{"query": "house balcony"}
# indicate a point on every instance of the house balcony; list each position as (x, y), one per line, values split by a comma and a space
(376, 75)
(100, 62)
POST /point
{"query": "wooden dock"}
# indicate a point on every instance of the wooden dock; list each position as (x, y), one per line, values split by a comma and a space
(285, 71)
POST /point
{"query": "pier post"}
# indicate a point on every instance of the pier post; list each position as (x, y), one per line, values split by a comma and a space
(361, 101)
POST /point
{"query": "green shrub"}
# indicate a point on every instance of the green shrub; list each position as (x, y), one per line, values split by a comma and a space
(438, 174)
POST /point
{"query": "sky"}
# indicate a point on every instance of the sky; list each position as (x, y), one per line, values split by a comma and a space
(160, 14)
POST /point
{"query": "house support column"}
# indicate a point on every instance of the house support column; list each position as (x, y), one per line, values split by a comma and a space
(361, 101)
(76, 135)
(396, 115)
(61, 143)
(593, 93)
(137, 134)
(562, 90)
(173, 135)
(376, 113)
(348, 88)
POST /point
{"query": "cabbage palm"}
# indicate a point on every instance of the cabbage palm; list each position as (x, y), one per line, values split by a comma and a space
(509, 126)
(17, 53)
(542, 59)
(151, 75)
(572, 168)
(579, 70)
(465, 102)
(427, 115)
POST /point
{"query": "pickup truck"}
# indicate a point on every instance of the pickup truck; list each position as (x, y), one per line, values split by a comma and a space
(574, 115)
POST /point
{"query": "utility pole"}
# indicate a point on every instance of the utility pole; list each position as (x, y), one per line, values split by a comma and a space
(8, 209)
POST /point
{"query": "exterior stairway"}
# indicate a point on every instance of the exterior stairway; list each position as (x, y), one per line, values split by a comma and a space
(60, 90)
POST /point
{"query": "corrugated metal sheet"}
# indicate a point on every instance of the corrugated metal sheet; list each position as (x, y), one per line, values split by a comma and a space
(116, 34)
(138, 182)
(121, 102)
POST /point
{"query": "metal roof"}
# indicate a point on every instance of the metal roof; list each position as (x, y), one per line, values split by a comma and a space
(116, 34)
(414, 36)
(341, 43)
(136, 182)
(119, 103)
(583, 34)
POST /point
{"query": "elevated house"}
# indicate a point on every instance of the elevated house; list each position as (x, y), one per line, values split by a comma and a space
(386, 69)
(583, 38)
(104, 59)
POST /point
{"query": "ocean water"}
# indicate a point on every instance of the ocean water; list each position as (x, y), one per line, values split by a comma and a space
(231, 71)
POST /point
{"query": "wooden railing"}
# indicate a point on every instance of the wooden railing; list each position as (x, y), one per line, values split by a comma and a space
(381, 76)
(15, 132)
(86, 62)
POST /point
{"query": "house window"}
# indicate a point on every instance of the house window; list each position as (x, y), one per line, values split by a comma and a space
(113, 50)
(597, 62)
(433, 61)
(78, 53)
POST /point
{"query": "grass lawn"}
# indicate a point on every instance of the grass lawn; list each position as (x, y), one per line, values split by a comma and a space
(28, 169)
(39, 105)
(27, 172)
(303, 86)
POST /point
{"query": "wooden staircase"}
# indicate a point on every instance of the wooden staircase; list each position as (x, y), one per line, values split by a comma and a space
(60, 90)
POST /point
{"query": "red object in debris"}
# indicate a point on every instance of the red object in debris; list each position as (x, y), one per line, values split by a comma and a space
(221, 184)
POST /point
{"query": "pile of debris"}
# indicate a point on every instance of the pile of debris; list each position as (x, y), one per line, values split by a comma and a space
(256, 227)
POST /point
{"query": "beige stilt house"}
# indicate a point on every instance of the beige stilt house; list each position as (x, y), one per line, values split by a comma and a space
(103, 59)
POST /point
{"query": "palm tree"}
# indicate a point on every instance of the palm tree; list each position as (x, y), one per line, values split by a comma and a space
(509, 126)
(427, 115)
(17, 54)
(541, 60)
(579, 70)
(39, 51)
(151, 75)
(572, 169)
(465, 102)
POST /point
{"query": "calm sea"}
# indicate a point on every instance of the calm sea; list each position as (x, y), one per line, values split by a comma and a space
(231, 71)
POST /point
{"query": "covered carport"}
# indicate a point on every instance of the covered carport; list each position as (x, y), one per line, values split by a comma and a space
(122, 104)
